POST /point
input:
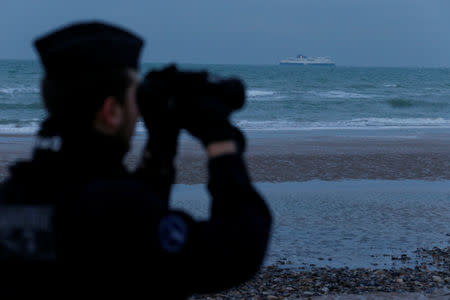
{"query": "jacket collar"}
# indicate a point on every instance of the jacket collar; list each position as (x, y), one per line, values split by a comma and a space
(82, 149)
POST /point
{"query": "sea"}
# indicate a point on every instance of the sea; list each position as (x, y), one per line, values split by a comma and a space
(279, 97)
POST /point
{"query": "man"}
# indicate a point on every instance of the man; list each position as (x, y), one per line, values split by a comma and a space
(78, 222)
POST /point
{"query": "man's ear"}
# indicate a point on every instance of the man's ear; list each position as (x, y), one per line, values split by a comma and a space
(109, 117)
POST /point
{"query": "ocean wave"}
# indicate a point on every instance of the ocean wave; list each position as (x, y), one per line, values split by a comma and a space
(259, 93)
(32, 126)
(268, 125)
(280, 125)
(17, 129)
(363, 86)
(386, 122)
(360, 123)
(340, 95)
(400, 103)
(405, 103)
(35, 105)
(19, 90)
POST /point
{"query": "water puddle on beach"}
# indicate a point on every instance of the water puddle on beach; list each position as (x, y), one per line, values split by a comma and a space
(353, 223)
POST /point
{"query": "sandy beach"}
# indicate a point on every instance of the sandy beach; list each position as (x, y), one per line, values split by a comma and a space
(402, 176)
(302, 155)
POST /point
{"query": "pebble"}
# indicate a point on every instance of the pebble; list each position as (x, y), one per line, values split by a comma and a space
(279, 282)
(437, 279)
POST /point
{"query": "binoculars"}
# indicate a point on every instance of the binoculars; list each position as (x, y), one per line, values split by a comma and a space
(193, 93)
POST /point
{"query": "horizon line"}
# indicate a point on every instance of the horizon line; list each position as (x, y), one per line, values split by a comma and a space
(255, 64)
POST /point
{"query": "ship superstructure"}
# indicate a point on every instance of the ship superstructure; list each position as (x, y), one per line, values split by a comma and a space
(303, 60)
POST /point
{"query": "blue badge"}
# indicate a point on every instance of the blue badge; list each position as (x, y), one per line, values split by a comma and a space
(173, 231)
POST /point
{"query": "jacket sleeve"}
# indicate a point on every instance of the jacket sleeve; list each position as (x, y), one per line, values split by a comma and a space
(157, 170)
(228, 248)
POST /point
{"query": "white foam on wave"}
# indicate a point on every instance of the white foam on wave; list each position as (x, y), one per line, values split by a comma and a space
(340, 95)
(268, 125)
(362, 123)
(14, 129)
(259, 93)
(393, 122)
(19, 90)
(283, 125)
(33, 126)
(29, 126)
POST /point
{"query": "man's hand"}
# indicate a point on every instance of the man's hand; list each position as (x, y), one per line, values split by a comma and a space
(155, 101)
(156, 107)
(218, 132)
(221, 148)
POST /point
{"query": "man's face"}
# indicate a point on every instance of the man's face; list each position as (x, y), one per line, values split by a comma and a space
(130, 109)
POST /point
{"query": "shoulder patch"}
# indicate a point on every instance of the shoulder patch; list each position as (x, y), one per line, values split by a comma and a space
(173, 232)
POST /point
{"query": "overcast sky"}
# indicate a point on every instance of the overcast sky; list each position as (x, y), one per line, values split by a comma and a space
(352, 32)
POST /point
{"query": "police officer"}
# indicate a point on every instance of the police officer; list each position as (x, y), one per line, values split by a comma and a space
(78, 222)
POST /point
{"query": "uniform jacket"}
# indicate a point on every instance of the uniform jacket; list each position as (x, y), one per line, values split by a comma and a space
(78, 223)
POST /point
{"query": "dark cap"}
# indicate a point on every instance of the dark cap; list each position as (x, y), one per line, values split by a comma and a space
(88, 47)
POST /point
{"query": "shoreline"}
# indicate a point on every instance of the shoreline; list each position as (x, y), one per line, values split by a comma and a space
(275, 282)
(376, 224)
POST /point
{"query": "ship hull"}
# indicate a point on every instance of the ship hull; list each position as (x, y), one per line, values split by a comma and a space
(303, 64)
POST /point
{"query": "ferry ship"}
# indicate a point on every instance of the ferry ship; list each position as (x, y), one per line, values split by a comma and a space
(302, 60)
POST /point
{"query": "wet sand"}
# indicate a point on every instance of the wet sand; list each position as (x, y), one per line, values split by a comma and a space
(302, 156)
